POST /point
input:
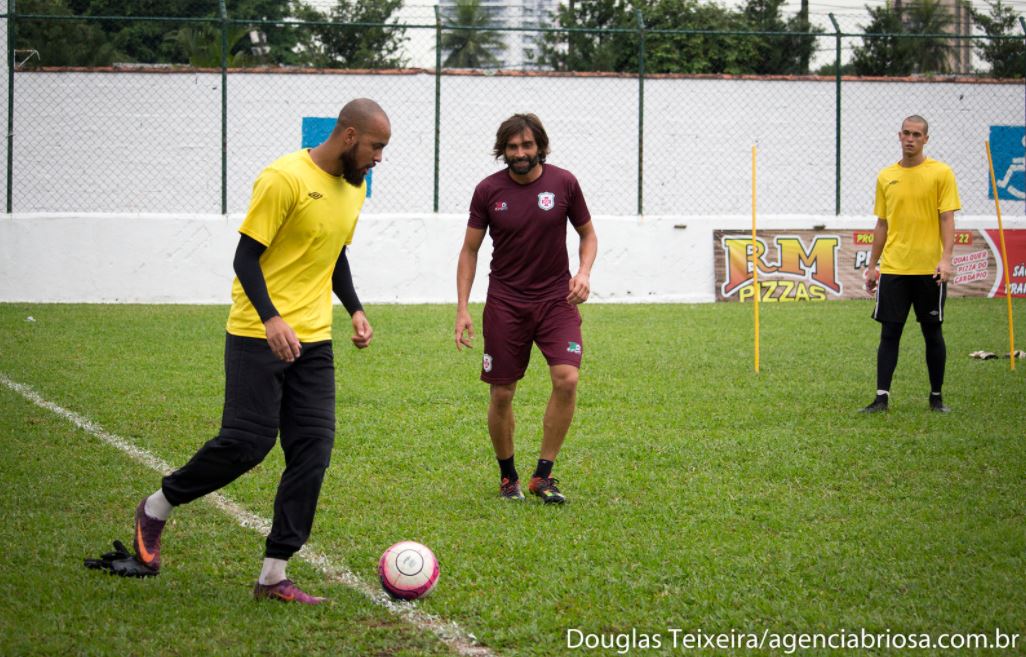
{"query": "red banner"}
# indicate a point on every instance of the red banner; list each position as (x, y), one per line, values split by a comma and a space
(817, 265)
(1015, 244)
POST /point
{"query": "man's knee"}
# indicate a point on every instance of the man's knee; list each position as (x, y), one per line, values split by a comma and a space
(564, 380)
(250, 443)
(502, 394)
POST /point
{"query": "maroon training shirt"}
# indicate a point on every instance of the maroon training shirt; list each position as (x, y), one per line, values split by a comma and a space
(528, 228)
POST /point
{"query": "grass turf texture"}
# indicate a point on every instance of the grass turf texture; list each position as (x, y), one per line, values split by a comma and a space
(701, 495)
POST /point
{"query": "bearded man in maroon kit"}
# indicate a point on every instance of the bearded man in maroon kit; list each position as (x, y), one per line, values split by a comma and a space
(532, 298)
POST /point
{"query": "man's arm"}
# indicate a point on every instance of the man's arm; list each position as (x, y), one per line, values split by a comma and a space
(342, 285)
(947, 231)
(879, 240)
(580, 285)
(280, 337)
(465, 271)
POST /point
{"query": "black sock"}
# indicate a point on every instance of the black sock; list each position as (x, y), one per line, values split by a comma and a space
(887, 353)
(507, 470)
(544, 469)
(936, 354)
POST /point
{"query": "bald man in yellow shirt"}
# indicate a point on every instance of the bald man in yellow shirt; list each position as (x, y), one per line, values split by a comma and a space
(916, 201)
(279, 364)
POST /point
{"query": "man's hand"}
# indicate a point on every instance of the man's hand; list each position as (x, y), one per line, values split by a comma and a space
(362, 331)
(944, 271)
(580, 288)
(872, 276)
(282, 339)
(463, 324)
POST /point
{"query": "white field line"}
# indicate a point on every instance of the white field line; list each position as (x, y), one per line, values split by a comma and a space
(459, 640)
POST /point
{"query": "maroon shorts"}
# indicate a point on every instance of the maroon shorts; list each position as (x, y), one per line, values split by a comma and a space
(510, 328)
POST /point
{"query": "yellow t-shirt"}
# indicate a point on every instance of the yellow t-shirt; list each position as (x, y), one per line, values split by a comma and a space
(910, 200)
(304, 216)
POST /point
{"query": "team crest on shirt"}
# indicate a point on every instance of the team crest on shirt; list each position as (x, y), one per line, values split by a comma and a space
(486, 363)
(546, 200)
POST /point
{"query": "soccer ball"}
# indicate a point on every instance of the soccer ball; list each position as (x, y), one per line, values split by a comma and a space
(408, 570)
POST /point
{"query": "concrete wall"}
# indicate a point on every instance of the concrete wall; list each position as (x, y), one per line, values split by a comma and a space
(117, 175)
(395, 258)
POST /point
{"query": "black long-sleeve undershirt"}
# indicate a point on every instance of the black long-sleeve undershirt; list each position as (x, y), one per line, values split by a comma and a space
(247, 268)
(342, 284)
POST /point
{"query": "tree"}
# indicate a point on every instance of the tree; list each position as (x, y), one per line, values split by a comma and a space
(202, 45)
(595, 49)
(785, 54)
(473, 48)
(61, 43)
(672, 52)
(677, 38)
(1007, 57)
(932, 53)
(886, 54)
(141, 40)
(896, 51)
(375, 43)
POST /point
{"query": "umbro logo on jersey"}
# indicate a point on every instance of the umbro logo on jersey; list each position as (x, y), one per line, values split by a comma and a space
(315, 195)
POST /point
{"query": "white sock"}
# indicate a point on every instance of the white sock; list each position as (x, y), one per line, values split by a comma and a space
(157, 506)
(883, 392)
(273, 571)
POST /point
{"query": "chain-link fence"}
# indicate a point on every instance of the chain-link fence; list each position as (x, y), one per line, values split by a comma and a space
(99, 136)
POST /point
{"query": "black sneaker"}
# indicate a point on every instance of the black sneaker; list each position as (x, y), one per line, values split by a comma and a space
(510, 490)
(545, 488)
(879, 405)
(937, 405)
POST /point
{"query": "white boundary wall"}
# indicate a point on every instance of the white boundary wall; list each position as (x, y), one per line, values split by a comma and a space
(146, 142)
(395, 258)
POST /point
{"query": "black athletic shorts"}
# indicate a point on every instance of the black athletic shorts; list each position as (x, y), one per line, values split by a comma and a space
(896, 293)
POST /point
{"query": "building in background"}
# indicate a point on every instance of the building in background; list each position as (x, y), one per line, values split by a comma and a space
(519, 46)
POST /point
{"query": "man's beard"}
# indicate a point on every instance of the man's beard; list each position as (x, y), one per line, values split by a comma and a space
(350, 171)
(522, 165)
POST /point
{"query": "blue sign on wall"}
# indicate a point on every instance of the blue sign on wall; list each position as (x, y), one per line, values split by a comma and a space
(316, 129)
(1008, 149)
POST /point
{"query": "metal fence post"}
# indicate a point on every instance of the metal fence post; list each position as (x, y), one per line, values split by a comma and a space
(438, 98)
(224, 106)
(837, 117)
(10, 103)
(641, 111)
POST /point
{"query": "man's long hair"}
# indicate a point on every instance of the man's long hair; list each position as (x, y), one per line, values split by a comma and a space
(515, 125)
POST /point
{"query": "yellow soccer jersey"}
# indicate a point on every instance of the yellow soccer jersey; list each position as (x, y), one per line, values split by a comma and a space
(304, 216)
(910, 200)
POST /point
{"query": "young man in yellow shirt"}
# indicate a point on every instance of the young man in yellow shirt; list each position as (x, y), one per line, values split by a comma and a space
(916, 200)
(279, 364)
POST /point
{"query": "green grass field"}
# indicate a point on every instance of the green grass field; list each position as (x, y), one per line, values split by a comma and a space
(701, 495)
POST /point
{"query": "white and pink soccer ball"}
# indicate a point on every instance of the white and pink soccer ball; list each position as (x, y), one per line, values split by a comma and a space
(408, 570)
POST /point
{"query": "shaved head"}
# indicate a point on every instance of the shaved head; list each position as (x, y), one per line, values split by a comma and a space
(915, 118)
(360, 114)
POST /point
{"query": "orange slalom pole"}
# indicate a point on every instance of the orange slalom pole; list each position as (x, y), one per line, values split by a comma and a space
(755, 268)
(1004, 260)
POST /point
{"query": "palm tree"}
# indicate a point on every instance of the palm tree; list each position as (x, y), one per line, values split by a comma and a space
(476, 47)
(202, 45)
(932, 53)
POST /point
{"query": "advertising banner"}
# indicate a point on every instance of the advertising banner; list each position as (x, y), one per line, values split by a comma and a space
(820, 265)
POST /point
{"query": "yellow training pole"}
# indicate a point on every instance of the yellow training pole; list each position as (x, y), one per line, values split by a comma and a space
(755, 268)
(1004, 261)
